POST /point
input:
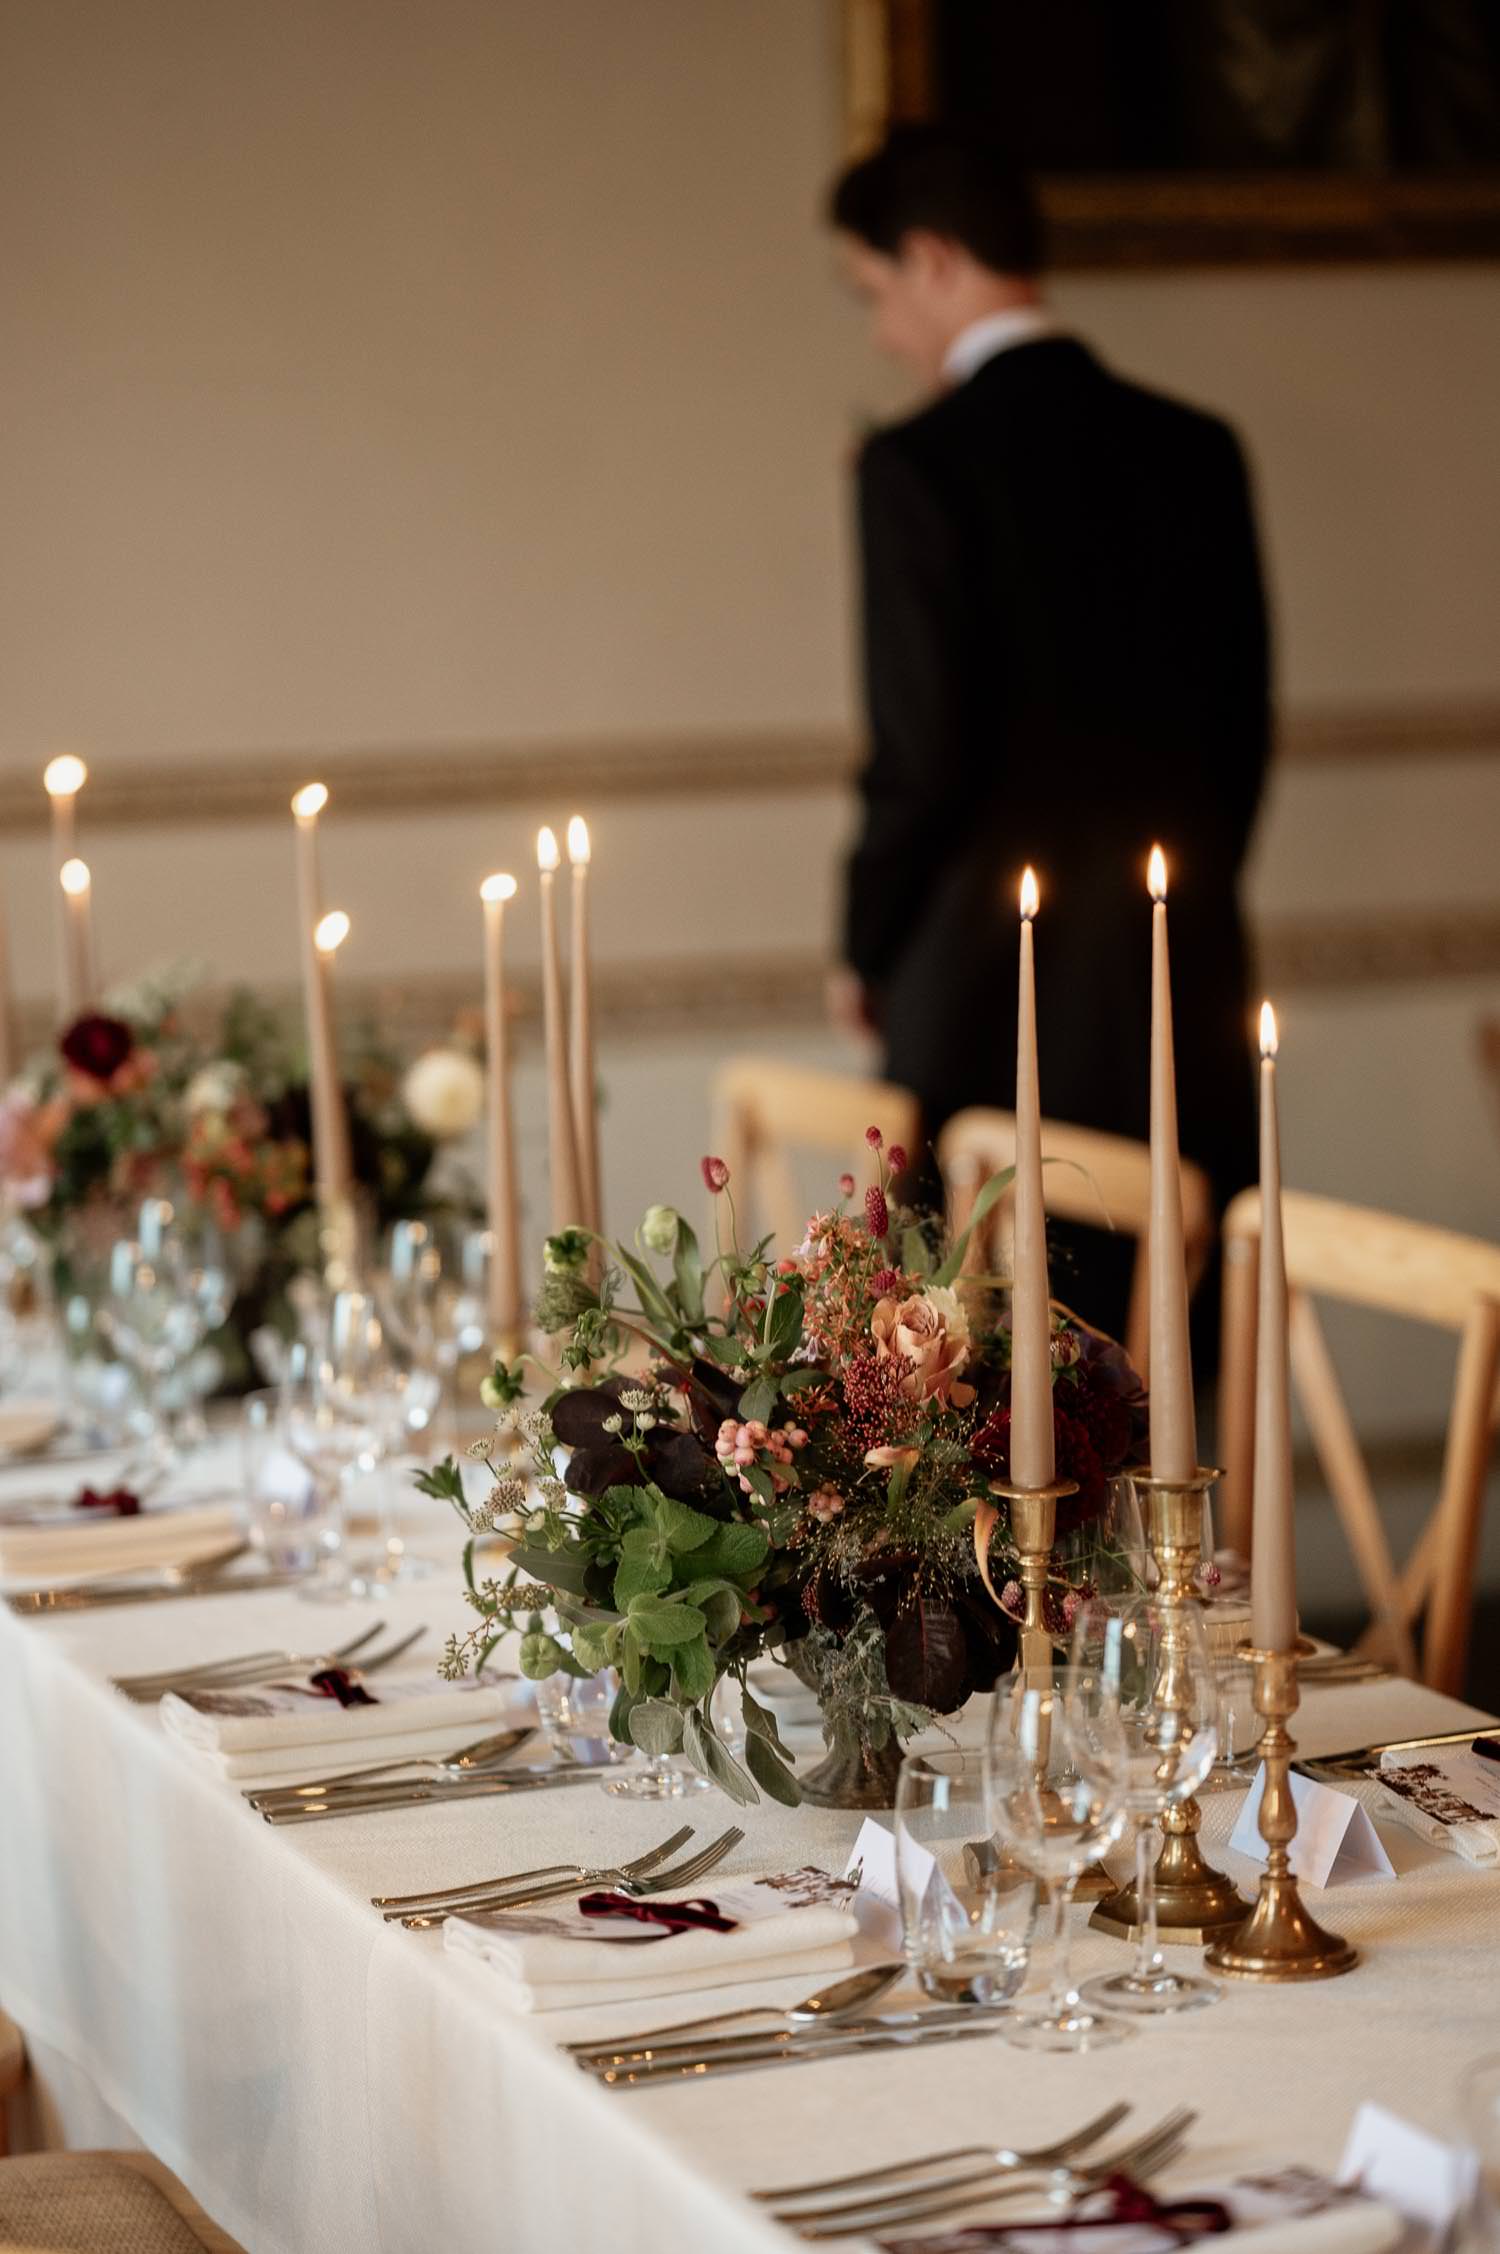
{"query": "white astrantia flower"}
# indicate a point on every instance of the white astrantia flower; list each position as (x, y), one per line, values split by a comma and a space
(217, 1086)
(444, 1092)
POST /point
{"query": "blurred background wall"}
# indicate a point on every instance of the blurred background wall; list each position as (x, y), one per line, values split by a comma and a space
(459, 397)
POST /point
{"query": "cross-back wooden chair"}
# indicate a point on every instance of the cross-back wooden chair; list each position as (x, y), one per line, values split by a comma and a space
(1102, 1180)
(765, 1110)
(1399, 1267)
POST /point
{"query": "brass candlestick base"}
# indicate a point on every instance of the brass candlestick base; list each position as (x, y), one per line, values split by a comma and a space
(338, 1242)
(1193, 1900)
(1279, 1940)
(1033, 1529)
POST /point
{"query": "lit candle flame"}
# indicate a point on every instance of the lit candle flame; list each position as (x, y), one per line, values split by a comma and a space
(546, 849)
(64, 777)
(498, 887)
(1030, 894)
(1156, 874)
(578, 842)
(74, 878)
(310, 801)
(1269, 1040)
(331, 932)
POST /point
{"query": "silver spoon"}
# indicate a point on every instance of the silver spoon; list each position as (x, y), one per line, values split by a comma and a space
(836, 2002)
(482, 1754)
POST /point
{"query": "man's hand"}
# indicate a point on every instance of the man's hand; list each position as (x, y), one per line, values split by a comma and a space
(852, 1007)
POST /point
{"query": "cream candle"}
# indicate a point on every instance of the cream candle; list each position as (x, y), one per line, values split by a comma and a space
(1032, 1460)
(1273, 1578)
(330, 1123)
(78, 932)
(567, 1200)
(581, 1027)
(504, 1217)
(62, 779)
(1174, 1439)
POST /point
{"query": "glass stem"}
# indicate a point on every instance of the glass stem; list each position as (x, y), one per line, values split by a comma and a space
(1064, 1999)
(1148, 1957)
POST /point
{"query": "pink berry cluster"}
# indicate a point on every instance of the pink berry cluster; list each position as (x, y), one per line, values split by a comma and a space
(825, 1504)
(738, 1446)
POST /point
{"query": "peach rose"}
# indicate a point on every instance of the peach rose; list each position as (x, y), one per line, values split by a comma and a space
(931, 1332)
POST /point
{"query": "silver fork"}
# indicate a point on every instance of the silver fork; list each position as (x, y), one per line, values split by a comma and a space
(484, 1753)
(1006, 2156)
(1148, 2153)
(153, 1683)
(627, 1880)
(274, 1678)
(459, 1900)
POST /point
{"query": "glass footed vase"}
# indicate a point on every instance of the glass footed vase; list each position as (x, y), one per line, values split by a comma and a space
(856, 1773)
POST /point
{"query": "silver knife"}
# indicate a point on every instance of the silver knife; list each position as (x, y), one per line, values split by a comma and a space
(1366, 1756)
(372, 1802)
(31, 1602)
(598, 2057)
(699, 2068)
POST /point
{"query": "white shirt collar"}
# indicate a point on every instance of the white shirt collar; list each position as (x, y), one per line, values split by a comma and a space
(996, 332)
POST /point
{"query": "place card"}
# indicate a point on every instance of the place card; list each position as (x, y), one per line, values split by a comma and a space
(1335, 1838)
(877, 1905)
(1424, 2179)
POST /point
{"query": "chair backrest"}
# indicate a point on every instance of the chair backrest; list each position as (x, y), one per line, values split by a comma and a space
(1399, 1267)
(1103, 1180)
(764, 1111)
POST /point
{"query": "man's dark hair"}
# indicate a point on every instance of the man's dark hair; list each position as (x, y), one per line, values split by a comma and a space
(949, 183)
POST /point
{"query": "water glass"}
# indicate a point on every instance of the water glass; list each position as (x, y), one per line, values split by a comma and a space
(1241, 1728)
(966, 1916)
(289, 1519)
(574, 1712)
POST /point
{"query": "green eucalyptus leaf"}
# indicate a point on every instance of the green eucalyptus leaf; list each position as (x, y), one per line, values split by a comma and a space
(542, 1655)
(631, 1662)
(561, 1569)
(656, 1726)
(693, 1670)
(687, 1269)
(786, 1321)
(758, 1400)
(761, 1722)
(770, 1773)
(711, 1757)
(594, 1647)
(654, 1301)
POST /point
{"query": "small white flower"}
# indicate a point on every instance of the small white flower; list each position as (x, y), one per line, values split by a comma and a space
(615, 1425)
(444, 1093)
(478, 1451)
(217, 1086)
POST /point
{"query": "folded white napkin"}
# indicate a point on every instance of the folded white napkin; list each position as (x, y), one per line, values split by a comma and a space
(778, 1932)
(56, 1541)
(1449, 1795)
(268, 1730)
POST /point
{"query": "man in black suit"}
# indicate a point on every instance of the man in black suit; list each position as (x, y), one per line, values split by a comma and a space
(1065, 660)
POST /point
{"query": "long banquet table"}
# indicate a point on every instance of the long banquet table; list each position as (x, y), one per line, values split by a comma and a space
(224, 1992)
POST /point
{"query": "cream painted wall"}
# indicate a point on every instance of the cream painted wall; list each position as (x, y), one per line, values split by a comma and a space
(383, 373)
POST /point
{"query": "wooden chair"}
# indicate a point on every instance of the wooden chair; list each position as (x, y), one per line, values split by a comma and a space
(1102, 1180)
(764, 1111)
(94, 2202)
(1368, 1259)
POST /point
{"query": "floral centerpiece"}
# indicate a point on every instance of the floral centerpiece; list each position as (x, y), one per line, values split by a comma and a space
(789, 1455)
(143, 1099)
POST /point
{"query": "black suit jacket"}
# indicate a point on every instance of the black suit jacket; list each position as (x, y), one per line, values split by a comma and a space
(1066, 659)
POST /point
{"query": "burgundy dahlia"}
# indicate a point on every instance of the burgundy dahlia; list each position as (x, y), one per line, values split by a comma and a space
(97, 1046)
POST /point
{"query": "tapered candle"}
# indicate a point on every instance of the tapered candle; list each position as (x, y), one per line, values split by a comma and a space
(62, 779)
(1273, 1573)
(581, 1027)
(1032, 1460)
(1174, 1438)
(504, 1217)
(567, 1199)
(330, 1122)
(78, 920)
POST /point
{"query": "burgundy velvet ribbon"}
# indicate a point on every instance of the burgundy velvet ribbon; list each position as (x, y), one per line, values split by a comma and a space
(337, 1682)
(677, 1917)
(1130, 2205)
(119, 1500)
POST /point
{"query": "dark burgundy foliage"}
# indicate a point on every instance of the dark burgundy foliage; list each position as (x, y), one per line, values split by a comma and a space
(120, 1500)
(939, 1650)
(1100, 1422)
(97, 1046)
(677, 1462)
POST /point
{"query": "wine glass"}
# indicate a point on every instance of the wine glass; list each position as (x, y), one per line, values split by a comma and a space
(153, 1325)
(1165, 1701)
(1055, 1787)
(434, 1292)
(336, 1420)
(1106, 1552)
(656, 1776)
(966, 1920)
(287, 1506)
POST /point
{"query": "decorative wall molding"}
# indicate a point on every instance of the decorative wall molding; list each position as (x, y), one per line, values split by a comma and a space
(418, 778)
(737, 995)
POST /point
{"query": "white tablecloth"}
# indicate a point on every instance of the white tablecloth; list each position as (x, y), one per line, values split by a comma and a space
(326, 2084)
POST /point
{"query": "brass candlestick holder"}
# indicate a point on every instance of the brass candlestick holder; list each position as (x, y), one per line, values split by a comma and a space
(1193, 1900)
(1033, 1530)
(1279, 1940)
